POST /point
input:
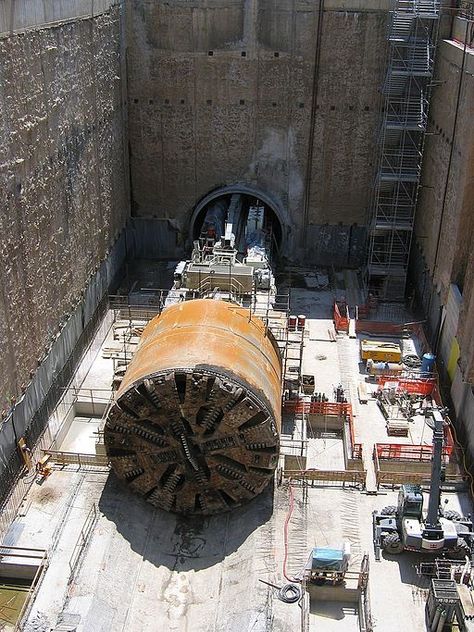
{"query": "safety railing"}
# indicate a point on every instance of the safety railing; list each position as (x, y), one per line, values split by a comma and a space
(396, 479)
(351, 477)
(329, 409)
(132, 310)
(210, 284)
(412, 57)
(335, 409)
(77, 458)
(421, 386)
(406, 113)
(39, 558)
(99, 399)
(384, 454)
(408, 453)
(82, 540)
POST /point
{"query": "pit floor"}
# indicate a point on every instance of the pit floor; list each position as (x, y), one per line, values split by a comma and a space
(143, 569)
(81, 436)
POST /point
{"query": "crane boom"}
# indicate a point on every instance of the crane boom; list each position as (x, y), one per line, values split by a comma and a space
(432, 519)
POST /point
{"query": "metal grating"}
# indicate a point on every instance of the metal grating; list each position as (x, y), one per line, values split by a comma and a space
(412, 37)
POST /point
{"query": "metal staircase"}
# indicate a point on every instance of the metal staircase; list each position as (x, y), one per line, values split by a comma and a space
(412, 37)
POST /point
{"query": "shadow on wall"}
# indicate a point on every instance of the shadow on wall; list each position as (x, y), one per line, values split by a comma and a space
(153, 238)
(177, 542)
(338, 245)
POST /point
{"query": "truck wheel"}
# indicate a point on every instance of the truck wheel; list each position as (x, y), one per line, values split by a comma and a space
(452, 515)
(392, 544)
(391, 510)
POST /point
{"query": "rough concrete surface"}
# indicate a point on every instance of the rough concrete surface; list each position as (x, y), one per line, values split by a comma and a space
(61, 176)
(229, 92)
(444, 218)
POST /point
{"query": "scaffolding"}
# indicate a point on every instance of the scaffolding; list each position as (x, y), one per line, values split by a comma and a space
(466, 9)
(412, 38)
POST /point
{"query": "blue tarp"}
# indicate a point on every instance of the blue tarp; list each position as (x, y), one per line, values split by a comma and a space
(327, 559)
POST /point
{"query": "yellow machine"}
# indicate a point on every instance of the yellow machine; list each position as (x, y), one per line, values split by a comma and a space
(25, 453)
(380, 351)
(43, 468)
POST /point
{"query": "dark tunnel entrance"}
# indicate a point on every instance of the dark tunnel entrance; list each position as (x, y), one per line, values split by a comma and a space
(252, 218)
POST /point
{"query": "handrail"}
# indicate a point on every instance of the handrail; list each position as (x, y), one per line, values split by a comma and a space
(356, 477)
(383, 477)
(408, 452)
(82, 540)
(77, 458)
(40, 555)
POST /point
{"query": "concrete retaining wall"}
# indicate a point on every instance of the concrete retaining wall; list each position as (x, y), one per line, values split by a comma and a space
(242, 92)
(62, 173)
(18, 15)
(443, 254)
(325, 422)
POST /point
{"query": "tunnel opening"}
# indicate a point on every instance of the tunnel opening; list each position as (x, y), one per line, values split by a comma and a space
(253, 218)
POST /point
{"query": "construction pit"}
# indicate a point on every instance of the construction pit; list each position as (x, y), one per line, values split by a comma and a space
(116, 562)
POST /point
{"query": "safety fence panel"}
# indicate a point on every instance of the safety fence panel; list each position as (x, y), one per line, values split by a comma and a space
(408, 453)
(341, 321)
(421, 386)
(396, 479)
(298, 406)
(77, 458)
(352, 477)
(379, 328)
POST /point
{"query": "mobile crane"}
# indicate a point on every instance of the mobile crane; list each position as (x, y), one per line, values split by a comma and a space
(405, 527)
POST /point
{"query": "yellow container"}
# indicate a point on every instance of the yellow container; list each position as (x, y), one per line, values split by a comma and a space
(380, 351)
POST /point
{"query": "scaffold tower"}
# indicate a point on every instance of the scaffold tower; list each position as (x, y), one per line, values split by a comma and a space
(412, 38)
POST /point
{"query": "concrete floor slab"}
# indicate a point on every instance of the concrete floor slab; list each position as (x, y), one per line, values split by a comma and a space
(326, 453)
(81, 436)
(144, 570)
(333, 617)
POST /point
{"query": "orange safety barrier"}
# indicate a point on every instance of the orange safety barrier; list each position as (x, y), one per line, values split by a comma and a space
(415, 386)
(405, 452)
(357, 451)
(377, 327)
(341, 322)
(448, 439)
(334, 409)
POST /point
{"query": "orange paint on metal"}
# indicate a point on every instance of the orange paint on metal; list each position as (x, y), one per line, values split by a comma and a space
(214, 334)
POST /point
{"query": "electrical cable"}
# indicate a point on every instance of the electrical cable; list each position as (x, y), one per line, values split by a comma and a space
(411, 360)
(290, 593)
